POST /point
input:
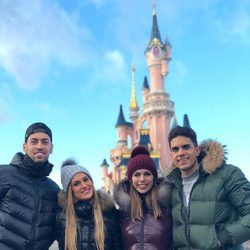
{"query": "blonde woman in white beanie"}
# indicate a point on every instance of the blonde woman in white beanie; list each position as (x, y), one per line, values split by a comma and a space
(87, 219)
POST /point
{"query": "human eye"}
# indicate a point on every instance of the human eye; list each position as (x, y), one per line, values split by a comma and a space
(137, 174)
(33, 141)
(147, 174)
(75, 184)
(45, 141)
(174, 149)
(85, 179)
(186, 146)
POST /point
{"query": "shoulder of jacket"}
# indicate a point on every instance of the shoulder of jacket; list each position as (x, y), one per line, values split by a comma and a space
(122, 196)
(105, 201)
(164, 189)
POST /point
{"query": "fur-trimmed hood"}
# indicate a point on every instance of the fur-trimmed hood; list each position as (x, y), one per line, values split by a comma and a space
(122, 196)
(213, 155)
(103, 197)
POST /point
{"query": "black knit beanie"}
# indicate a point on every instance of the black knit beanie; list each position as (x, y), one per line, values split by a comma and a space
(36, 128)
(140, 159)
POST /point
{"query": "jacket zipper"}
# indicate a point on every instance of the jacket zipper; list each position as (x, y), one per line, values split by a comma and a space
(34, 217)
(142, 234)
(185, 215)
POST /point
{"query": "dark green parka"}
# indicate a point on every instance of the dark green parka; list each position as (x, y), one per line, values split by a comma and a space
(219, 205)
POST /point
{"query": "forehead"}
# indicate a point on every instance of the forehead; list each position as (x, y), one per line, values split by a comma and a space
(78, 176)
(180, 141)
(39, 136)
(142, 171)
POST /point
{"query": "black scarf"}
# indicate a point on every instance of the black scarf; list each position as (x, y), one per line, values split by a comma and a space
(84, 208)
(35, 169)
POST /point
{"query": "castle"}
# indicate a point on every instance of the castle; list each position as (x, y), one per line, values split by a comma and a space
(151, 128)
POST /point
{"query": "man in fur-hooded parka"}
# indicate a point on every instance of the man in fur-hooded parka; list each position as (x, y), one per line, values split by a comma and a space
(85, 219)
(147, 233)
(210, 199)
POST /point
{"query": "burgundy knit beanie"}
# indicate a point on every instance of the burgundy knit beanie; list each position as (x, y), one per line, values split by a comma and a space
(140, 159)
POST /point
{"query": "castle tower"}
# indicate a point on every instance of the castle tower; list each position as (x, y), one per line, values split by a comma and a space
(123, 129)
(158, 109)
(145, 89)
(104, 167)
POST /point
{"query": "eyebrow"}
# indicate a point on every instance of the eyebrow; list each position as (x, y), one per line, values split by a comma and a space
(182, 146)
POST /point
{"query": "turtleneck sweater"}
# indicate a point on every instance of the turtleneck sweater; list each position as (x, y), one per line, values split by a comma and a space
(188, 183)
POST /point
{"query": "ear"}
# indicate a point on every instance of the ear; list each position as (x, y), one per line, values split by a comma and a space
(25, 147)
(171, 155)
(51, 149)
(197, 151)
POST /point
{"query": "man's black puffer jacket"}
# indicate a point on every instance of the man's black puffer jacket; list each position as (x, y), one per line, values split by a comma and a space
(86, 227)
(28, 204)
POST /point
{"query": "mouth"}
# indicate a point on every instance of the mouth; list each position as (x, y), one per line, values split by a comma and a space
(39, 154)
(142, 186)
(85, 191)
(183, 160)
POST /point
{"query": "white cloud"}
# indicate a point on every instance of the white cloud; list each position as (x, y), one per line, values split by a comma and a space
(33, 34)
(237, 27)
(114, 66)
(110, 69)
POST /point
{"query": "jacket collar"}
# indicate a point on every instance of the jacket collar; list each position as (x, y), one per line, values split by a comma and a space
(104, 199)
(122, 194)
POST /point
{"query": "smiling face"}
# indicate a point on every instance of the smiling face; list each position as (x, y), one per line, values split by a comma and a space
(184, 155)
(142, 180)
(82, 186)
(38, 147)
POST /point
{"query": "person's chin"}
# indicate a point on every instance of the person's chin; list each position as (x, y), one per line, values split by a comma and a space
(39, 160)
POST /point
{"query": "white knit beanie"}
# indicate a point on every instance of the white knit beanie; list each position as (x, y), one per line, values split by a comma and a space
(68, 170)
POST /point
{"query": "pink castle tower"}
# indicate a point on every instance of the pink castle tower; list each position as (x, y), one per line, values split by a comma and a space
(152, 127)
(158, 109)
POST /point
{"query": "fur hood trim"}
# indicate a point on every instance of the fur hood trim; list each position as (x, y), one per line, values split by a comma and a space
(213, 155)
(122, 197)
(104, 199)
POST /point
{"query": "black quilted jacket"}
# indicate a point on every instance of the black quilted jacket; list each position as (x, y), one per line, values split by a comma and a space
(28, 206)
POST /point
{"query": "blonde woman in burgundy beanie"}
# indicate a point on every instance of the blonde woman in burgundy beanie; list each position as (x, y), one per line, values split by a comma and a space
(143, 200)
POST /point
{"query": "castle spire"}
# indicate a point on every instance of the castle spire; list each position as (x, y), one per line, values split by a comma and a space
(155, 32)
(121, 122)
(154, 7)
(186, 122)
(145, 83)
(175, 122)
(133, 103)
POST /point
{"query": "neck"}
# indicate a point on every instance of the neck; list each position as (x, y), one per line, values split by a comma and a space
(192, 169)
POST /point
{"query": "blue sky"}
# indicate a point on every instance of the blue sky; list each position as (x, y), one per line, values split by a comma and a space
(67, 63)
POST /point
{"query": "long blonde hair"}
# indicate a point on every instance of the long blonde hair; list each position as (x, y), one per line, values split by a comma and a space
(72, 224)
(136, 209)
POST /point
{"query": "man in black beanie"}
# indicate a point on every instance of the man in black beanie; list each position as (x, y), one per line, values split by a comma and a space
(28, 198)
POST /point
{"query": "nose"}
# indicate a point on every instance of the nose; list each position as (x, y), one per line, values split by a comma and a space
(181, 151)
(83, 184)
(39, 144)
(142, 177)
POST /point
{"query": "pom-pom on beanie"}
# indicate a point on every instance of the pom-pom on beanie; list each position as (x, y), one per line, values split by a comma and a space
(68, 169)
(140, 159)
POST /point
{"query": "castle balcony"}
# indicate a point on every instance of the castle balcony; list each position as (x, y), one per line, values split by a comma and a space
(158, 102)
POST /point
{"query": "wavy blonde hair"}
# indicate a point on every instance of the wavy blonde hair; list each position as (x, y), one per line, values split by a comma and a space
(136, 209)
(72, 224)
